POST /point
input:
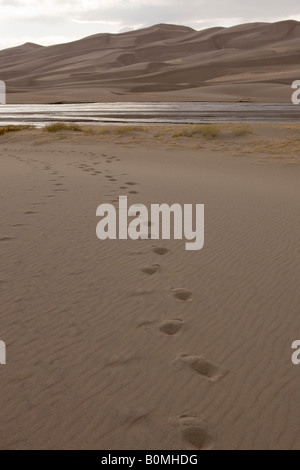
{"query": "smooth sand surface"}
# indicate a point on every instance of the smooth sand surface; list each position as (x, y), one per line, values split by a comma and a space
(105, 353)
(252, 62)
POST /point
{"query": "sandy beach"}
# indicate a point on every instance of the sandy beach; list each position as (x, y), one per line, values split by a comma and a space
(123, 344)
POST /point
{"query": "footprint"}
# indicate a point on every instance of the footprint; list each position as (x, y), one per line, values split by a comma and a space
(197, 437)
(170, 327)
(160, 251)
(203, 367)
(133, 192)
(193, 432)
(183, 295)
(144, 323)
(131, 183)
(7, 239)
(154, 268)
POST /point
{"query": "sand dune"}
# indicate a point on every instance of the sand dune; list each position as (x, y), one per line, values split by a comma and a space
(256, 61)
(141, 344)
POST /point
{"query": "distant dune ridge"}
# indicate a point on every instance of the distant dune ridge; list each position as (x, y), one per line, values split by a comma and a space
(256, 61)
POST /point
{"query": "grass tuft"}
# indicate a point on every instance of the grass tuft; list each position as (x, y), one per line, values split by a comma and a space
(112, 130)
(13, 128)
(208, 131)
(62, 126)
(125, 129)
(240, 131)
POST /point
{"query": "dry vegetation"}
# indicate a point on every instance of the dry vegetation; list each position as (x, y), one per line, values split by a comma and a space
(262, 140)
(62, 126)
(206, 130)
(93, 130)
(13, 128)
(239, 130)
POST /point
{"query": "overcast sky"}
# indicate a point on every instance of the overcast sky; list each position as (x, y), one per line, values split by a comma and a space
(52, 21)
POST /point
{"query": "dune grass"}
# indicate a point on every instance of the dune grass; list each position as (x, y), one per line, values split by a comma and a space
(241, 130)
(125, 129)
(264, 139)
(62, 126)
(93, 130)
(208, 131)
(13, 128)
(113, 129)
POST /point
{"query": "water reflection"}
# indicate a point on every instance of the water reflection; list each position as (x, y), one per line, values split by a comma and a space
(148, 112)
